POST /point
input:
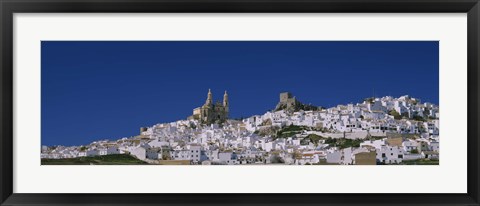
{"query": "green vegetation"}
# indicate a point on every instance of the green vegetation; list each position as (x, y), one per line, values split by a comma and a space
(280, 107)
(286, 134)
(299, 106)
(275, 159)
(419, 118)
(83, 148)
(395, 114)
(114, 159)
(343, 143)
(314, 138)
(414, 151)
(290, 130)
(306, 107)
(376, 138)
(421, 162)
(426, 112)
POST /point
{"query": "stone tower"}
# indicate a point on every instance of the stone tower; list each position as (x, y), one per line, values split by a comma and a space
(225, 101)
(209, 98)
(287, 102)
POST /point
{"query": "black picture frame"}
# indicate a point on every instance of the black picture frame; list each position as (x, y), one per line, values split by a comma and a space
(10, 7)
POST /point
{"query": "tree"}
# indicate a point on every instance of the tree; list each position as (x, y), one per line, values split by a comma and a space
(275, 159)
(395, 114)
(418, 118)
(426, 112)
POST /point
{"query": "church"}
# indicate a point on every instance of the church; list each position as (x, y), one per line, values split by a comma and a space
(212, 113)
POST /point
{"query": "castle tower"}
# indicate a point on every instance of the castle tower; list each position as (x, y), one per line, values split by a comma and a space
(225, 101)
(209, 98)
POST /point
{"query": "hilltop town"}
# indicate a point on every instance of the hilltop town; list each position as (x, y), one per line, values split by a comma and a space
(377, 131)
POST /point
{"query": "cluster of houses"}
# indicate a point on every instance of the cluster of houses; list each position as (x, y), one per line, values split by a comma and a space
(374, 116)
(388, 131)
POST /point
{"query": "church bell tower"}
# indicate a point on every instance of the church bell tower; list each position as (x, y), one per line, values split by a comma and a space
(209, 98)
(225, 101)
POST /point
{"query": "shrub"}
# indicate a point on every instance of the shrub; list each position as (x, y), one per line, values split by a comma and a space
(395, 114)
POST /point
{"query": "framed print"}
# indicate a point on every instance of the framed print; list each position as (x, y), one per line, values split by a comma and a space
(239, 102)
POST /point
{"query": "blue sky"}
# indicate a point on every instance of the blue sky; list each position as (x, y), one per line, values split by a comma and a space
(107, 90)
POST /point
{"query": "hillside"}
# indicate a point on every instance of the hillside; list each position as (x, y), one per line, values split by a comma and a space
(291, 104)
(114, 159)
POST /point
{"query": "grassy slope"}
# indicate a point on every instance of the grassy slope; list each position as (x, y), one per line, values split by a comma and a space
(420, 162)
(115, 159)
